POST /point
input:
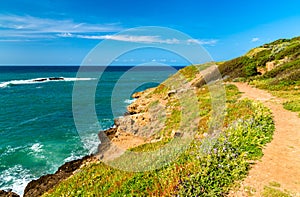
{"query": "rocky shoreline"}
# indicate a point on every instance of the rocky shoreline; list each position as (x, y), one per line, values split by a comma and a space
(43, 184)
(46, 182)
(138, 125)
(38, 187)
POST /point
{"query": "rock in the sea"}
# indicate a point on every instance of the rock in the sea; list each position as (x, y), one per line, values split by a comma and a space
(56, 78)
(8, 194)
(40, 80)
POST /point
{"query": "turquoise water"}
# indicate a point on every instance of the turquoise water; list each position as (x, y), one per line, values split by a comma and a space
(37, 130)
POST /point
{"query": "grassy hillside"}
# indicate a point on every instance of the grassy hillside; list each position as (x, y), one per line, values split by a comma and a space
(274, 67)
(283, 52)
(212, 171)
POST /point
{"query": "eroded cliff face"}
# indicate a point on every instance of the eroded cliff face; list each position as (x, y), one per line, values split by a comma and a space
(144, 122)
(151, 109)
(148, 117)
(136, 127)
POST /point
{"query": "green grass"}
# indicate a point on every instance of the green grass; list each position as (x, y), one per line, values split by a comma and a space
(206, 168)
(274, 184)
(292, 105)
(250, 190)
(272, 192)
(209, 166)
(289, 92)
(189, 72)
(283, 81)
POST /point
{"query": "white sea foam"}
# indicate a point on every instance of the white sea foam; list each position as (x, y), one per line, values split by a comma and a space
(78, 79)
(28, 121)
(37, 147)
(129, 101)
(91, 142)
(40, 80)
(37, 150)
(10, 150)
(32, 120)
(15, 178)
(72, 157)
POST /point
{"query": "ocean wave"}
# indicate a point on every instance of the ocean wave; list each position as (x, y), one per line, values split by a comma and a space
(37, 147)
(10, 150)
(72, 157)
(35, 119)
(91, 142)
(129, 101)
(40, 80)
(15, 178)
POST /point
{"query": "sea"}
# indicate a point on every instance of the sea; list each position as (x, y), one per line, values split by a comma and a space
(37, 128)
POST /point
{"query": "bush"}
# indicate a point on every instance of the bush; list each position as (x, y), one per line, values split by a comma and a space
(239, 67)
(288, 51)
(262, 57)
(250, 70)
(226, 161)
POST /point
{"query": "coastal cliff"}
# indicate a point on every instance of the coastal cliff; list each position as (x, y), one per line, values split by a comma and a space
(138, 126)
(154, 119)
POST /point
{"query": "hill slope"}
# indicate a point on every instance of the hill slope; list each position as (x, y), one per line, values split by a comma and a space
(217, 159)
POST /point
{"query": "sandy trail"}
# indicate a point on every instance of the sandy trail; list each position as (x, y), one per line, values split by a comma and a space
(281, 160)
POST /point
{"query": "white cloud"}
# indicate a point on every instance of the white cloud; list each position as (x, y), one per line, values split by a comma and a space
(16, 27)
(47, 25)
(65, 35)
(131, 38)
(255, 39)
(125, 38)
(12, 26)
(13, 40)
(140, 38)
(202, 42)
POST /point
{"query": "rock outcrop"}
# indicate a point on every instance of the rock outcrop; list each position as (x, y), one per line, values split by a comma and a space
(8, 194)
(273, 64)
(140, 124)
(40, 186)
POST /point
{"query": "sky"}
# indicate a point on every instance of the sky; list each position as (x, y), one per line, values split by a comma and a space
(56, 32)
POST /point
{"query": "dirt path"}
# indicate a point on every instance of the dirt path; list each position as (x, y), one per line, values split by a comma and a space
(281, 160)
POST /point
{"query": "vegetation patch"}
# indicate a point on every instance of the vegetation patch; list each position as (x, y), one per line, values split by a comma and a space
(274, 192)
(293, 105)
(209, 167)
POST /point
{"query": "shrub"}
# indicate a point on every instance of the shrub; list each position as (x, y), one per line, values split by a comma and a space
(250, 70)
(288, 51)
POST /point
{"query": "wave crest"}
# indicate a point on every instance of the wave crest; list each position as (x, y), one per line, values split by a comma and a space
(40, 80)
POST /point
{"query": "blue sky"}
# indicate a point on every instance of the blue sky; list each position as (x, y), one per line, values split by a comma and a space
(56, 32)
